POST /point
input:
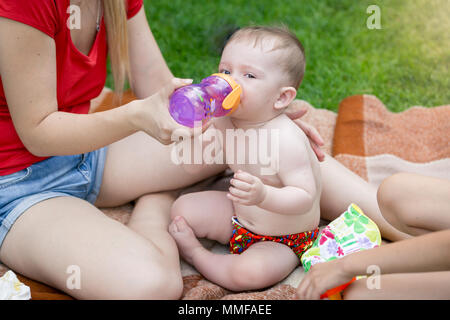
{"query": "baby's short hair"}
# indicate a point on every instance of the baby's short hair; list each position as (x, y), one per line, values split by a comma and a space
(294, 58)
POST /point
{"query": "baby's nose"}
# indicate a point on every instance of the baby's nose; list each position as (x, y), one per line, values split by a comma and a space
(237, 80)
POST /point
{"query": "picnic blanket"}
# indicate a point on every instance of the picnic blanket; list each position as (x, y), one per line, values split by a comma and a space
(364, 136)
(376, 143)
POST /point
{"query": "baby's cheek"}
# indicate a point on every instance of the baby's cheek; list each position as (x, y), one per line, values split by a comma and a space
(242, 101)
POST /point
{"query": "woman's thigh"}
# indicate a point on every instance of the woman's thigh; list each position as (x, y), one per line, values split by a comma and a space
(69, 244)
(139, 164)
(340, 187)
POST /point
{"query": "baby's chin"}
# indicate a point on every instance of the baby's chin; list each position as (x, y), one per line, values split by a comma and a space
(251, 114)
(249, 120)
(239, 114)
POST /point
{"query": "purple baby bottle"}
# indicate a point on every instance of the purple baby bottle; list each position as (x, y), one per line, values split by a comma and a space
(215, 96)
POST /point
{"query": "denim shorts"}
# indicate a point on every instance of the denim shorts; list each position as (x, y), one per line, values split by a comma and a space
(59, 176)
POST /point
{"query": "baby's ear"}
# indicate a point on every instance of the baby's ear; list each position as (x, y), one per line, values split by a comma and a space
(287, 94)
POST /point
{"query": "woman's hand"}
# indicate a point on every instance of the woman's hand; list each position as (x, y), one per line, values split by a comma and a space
(313, 135)
(152, 116)
(321, 278)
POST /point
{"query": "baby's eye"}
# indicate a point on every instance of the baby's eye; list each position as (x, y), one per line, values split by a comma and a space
(225, 71)
(249, 75)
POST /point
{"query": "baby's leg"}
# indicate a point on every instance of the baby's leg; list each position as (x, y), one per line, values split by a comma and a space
(208, 213)
(260, 266)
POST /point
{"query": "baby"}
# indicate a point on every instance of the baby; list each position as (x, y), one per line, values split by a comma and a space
(269, 217)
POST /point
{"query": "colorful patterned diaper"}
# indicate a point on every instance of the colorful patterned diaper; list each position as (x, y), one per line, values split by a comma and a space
(243, 239)
(351, 232)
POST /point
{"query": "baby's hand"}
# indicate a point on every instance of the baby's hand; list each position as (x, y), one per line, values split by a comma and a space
(246, 189)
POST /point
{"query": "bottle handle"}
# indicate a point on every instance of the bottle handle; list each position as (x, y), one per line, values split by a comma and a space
(233, 99)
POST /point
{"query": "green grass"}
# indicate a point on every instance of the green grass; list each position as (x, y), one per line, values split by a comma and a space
(405, 63)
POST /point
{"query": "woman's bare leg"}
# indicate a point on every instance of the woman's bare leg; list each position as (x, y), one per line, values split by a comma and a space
(139, 164)
(340, 187)
(150, 218)
(415, 204)
(59, 239)
(407, 286)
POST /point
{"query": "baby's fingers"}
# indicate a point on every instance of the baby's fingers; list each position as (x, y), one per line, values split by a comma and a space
(241, 185)
(244, 176)
(238, 193)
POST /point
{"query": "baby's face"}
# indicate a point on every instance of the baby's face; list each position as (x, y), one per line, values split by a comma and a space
(256, 69)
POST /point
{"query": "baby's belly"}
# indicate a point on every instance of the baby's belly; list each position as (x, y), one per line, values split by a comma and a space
(264, 222)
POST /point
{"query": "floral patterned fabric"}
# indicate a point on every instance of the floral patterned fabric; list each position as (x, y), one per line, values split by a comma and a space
(351, 232)
(243, 239)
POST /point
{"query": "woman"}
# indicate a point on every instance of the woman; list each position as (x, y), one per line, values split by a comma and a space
(55, 168)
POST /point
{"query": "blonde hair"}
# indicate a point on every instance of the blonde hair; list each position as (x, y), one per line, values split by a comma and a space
(115, 12)
(294, 62)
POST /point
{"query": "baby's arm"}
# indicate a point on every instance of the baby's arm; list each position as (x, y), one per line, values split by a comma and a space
(295, 173)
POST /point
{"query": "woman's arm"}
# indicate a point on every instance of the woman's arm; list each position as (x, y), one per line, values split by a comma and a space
(430, 252)
(149, 71)
(28, 71)
(426, 253)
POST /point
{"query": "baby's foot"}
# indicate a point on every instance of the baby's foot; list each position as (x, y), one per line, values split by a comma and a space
(185, 238)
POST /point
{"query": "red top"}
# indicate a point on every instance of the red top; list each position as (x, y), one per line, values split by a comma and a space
(80, 78)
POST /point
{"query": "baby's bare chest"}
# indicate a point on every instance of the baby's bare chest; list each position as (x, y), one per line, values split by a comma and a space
(254, 150)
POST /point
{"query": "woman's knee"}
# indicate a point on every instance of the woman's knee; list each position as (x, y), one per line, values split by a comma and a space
(394, 199)
(158, 283)
(148, 280)
(394, 195)
(393, 189)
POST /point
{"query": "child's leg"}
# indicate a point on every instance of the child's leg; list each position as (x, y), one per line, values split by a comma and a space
(415, 204)
(208, 213)
(261, 265)
(426, 285)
